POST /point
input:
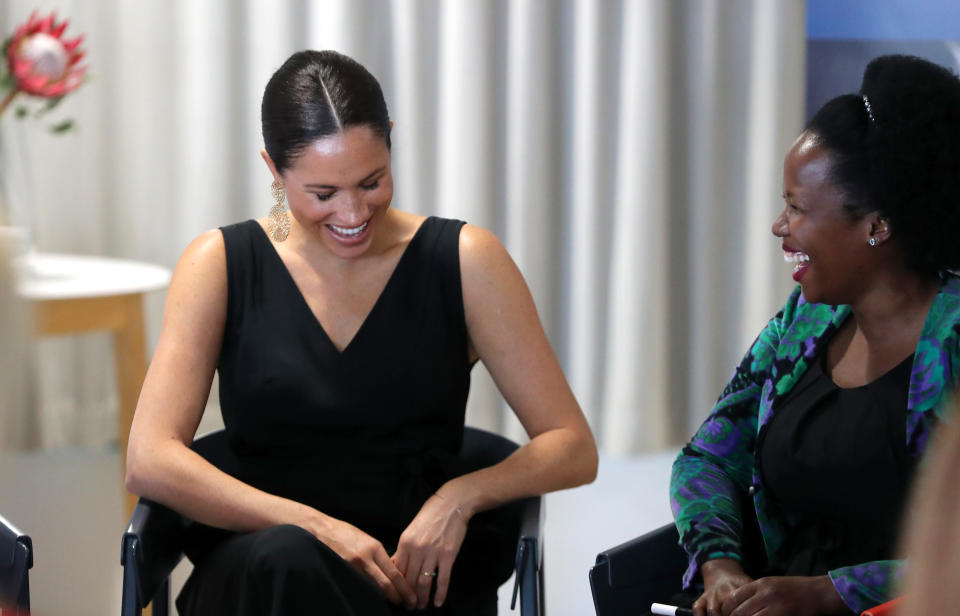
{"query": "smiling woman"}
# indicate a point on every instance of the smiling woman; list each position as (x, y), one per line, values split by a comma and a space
(814, 441)
(344, 332)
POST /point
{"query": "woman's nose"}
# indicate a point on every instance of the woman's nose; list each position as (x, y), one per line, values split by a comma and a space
(353, 208)
(780, 228)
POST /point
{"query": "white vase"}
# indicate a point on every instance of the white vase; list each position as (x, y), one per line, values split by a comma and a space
(14, 241)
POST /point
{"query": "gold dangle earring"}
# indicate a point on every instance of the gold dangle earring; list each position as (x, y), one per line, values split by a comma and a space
(279, 225)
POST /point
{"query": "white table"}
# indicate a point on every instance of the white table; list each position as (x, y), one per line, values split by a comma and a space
(72, 294)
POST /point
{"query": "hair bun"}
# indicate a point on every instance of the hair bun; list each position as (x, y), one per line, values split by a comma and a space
(907, 92)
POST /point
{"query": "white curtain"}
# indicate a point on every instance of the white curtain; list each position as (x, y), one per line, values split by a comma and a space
(627, 153)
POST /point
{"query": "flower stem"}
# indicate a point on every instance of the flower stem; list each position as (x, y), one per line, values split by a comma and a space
(8, 99)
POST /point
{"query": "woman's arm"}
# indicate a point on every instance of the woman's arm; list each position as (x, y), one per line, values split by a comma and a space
(506, 334)
(712, 474)
(160, 464)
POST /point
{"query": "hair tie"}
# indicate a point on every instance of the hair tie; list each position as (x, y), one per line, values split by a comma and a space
(866, 103)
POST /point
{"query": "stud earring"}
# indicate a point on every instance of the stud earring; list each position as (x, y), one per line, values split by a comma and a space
(872, 241)
(279, 224)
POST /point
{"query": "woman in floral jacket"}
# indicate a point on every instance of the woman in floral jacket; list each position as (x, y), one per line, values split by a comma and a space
(814, 440)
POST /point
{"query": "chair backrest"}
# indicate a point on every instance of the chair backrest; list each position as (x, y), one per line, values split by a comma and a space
(631, 576)
(481, 448)
(16, 558)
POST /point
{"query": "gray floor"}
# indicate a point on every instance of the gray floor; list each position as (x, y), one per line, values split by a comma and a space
(70, 503)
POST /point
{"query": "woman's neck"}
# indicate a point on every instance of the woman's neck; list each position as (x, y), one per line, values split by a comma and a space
(896, 305)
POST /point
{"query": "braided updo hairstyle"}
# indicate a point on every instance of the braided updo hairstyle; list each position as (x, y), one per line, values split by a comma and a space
(895, 149)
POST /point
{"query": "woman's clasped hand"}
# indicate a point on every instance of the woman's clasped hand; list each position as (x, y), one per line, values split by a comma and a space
(731, 592)
(368, 556)
(428, 547)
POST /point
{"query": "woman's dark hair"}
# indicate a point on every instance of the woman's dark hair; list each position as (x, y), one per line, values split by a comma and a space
(895, 148)
(316, 94)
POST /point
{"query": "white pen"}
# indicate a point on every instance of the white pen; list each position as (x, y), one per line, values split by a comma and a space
(661, 609)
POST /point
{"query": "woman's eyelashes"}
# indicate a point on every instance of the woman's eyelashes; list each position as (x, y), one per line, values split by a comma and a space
(370, 186)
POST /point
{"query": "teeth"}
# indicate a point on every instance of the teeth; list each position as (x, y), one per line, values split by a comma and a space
(349, 231)
(796, 257)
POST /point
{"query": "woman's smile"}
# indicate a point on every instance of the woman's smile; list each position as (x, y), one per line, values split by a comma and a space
(349, 235)
(801, 259)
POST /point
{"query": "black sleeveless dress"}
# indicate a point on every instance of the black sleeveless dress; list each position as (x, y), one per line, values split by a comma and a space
(365, 434)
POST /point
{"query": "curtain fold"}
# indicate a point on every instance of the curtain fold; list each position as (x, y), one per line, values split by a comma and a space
(626, 152)
(640, 271)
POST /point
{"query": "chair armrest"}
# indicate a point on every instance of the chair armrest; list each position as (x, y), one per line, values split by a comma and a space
(12, 543)
(16, 558)
(528, 576)
(531, 522)
(151, 548)
(639, 572)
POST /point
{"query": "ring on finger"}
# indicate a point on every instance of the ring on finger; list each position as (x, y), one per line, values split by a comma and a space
(430, 573)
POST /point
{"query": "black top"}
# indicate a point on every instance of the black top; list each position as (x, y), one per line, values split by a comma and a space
(836, 459)
(366, 434)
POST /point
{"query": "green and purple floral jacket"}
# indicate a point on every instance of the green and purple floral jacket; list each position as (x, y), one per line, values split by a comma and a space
(719, 467)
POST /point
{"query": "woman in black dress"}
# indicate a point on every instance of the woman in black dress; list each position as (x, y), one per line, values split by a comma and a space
(344, 332)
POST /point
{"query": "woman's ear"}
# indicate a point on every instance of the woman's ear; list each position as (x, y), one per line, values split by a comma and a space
(879, 228)
(273, 168)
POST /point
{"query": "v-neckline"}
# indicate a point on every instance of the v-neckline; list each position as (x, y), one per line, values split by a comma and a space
(373, 309)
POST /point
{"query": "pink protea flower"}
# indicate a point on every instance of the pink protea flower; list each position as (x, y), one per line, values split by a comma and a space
(41, 61)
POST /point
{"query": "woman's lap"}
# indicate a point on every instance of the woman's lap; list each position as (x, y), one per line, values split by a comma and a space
(286, 570)
(277, 570)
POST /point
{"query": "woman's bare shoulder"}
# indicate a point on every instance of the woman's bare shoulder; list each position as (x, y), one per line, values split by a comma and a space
(206, 250)
(201, 271)
(480, 249)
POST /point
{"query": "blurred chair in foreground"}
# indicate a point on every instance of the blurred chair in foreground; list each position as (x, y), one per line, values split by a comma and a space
(16, 558)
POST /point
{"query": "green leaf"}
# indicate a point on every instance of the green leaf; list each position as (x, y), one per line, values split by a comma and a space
(21, 112)
(48, 104)
(61, 127)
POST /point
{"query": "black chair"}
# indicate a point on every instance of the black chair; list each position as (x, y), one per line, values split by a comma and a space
(628, 578)
(152, 544)
(16, 559)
